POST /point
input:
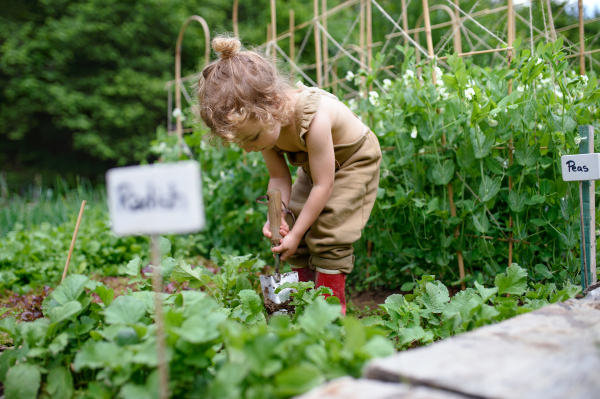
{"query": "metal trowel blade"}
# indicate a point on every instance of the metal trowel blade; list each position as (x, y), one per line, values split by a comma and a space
(269, 285)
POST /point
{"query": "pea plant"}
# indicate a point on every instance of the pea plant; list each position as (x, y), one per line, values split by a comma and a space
(497, 150)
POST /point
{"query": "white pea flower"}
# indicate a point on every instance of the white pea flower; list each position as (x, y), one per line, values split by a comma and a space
(438, 71)
(349, 75)
(578, 139)
(598, 232)
(374, 98)
(539, 61)
(177, 112)
(361, 94)
(573, 73)
(539, 126)
(469, 93)
(409, 73)
(541, 76)
(387, 84)
(471, 82)
(413, 133)
(584, 80)
(249, 211)
(352, 104)
(492, 122)
(520, 88)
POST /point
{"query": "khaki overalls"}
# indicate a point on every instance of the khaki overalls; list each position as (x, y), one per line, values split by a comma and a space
(327, 245)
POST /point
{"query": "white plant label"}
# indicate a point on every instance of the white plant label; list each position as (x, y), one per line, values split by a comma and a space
(155, 199)
(580, 167)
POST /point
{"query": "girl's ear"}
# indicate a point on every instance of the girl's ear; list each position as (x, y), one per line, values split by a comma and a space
(208, 70)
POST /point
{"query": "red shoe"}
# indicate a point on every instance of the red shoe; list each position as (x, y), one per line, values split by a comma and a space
(305, 274)
(337, 283)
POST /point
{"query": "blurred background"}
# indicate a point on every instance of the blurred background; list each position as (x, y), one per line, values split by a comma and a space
(82, 82)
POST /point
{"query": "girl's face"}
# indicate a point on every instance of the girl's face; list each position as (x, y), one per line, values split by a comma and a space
(254, 137)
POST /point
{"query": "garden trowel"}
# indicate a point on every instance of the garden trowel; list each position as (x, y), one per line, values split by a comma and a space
(269, 283)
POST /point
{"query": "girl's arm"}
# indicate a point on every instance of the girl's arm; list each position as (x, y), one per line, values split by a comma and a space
(322, 165)
(279, 177)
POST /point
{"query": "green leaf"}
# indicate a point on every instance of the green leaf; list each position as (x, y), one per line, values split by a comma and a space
(514, 281)
(317, 315)
(465, 155)
(22, 381)
(482, 143)
(64, 312)
(436, 296)
(60, 383)
(95, 355)
(70, 289)
(133, 267)
(410, 334)
(516, 202)
(166, 267)
(251, 302)
(527, 155)
(442, 173)
(486, 293)
(297, 380)
(543, 270)
(201, 328)
(510, 99)
(125, 310)
(184, 272)
(164, 246)
(59, 343)
(489, 188)
(106, 294)
(481, 222)
(539, 222)
(8, 325)
(514, 170)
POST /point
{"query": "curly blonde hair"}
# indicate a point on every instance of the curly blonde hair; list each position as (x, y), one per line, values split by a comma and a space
(239, 87)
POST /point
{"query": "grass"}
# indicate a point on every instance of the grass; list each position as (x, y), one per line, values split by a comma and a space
(55, 205)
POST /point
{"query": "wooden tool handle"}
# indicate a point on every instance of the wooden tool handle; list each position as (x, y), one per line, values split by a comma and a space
(274, 203)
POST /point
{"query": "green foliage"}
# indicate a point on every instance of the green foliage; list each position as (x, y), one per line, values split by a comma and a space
(220, 345)
(430, 314)
(36, 256)
(411, 227)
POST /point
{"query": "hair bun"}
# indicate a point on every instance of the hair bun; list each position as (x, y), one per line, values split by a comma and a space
(226, 46)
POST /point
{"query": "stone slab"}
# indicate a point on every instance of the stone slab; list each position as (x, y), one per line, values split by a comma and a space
(350, 388)
(551, 353)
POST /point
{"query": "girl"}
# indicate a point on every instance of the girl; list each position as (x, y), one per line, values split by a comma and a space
(243, 99)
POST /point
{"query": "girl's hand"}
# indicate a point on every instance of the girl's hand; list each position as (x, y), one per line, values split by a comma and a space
(284, 229)
(287, 246)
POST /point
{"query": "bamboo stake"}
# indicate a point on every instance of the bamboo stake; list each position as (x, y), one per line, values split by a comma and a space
(362, 32)
(551, 21)
(64, 275)
(459, 256)
(274, 27)
(163, 367)
(318, 43)
(269, 31)
(404, 21)
(494, 50)
(455, 26)
(325, 42)
(236, 31)
(292, 43)
(449, 23)
(511, 23)
(581, 40)
(585, 53)
(370, 35)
